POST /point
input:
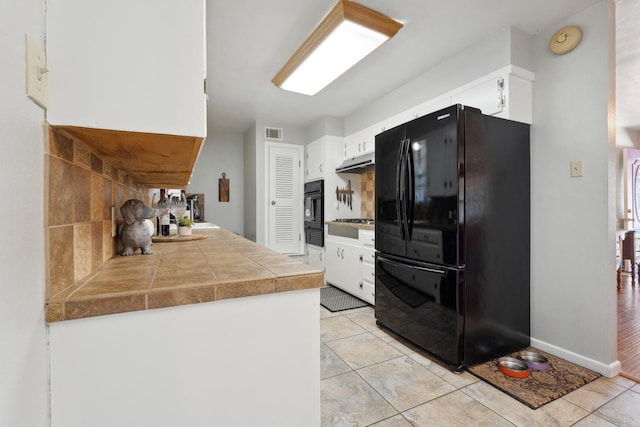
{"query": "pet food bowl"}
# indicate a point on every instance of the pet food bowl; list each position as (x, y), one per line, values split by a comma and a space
(533, 360)
(513, 367)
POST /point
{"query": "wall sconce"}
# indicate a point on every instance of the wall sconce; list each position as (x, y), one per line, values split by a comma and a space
(345, 36)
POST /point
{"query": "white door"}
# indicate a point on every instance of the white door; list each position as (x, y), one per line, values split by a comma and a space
(284, 231)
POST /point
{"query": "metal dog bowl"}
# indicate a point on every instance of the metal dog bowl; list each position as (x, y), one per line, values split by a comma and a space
(535, 361)
(513, 367)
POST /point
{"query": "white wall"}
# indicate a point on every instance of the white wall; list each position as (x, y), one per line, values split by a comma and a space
(250, 174)
(23, 340)
(222, 152)
(573, 219)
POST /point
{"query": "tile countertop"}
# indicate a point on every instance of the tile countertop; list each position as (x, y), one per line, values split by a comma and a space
(222, 266)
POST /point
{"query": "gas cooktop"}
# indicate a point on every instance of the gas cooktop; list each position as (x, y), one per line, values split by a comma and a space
(356, 220)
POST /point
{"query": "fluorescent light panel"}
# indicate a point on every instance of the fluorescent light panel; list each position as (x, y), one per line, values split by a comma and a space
(345, 36)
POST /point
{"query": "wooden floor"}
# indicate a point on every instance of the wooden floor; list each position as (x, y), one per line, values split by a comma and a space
(629, 328)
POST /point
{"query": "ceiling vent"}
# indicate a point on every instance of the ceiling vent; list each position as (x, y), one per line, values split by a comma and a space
(273, 133)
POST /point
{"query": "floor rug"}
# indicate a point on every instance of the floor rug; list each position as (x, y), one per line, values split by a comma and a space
(540, 387)
(334, 299)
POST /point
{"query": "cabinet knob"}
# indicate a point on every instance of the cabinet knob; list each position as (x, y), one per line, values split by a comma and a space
(273, 203)
(360, 284)
(320, 167)
(364, 146)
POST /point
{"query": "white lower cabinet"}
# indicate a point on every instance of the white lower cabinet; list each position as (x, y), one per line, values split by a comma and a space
(350, 264)
(342, 264)
(368, 268)
(315, 256)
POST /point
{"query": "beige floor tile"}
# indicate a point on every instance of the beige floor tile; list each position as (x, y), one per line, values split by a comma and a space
(362, 350)
(365, 318)
(347, 400)
(333, 328)
(324, 313)
(594, 394)
(624, 410)
(622, 381)
(458, 380)
(330, 364)
(395, 421)
(556, 413)
(593, 421)
(454, 409)
(405, 383)
(395, 341)
(636, 388)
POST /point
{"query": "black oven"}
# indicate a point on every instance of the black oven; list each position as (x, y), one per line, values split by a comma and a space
(314, 213)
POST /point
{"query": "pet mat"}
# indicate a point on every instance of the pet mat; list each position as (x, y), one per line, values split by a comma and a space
(540, 387)
(334, 299)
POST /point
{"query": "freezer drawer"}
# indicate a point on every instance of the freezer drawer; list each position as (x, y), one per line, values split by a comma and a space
(422, 304)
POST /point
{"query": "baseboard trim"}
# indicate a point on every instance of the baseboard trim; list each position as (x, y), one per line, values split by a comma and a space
(607, 370)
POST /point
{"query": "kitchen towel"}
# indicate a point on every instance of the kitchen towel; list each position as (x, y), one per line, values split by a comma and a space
(309, 211)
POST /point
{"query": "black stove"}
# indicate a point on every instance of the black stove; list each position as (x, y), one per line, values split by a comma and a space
(356, 220)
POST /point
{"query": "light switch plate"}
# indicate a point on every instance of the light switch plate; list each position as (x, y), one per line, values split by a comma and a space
(576, 168)
(36, 73)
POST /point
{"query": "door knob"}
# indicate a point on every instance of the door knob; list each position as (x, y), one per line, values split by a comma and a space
(273, 203)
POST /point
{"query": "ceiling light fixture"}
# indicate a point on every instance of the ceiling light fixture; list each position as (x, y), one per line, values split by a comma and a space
(345, 36)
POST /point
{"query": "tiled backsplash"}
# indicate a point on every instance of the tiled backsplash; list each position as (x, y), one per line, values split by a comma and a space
(368, 188)
(80, 190)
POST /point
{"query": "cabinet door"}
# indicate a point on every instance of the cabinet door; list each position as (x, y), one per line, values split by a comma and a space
(130, 66)
(342, 266)
(314, 161)
(353, 144)
(487, 96)
(315, 257)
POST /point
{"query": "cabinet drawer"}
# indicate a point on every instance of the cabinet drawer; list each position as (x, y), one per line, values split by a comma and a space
(367, 237)
(369, 293)
(368, 273)
(368, 254)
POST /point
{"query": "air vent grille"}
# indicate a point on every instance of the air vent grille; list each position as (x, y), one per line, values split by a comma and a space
(273, 133)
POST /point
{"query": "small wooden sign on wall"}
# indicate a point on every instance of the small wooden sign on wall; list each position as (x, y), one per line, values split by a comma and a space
(223, 188)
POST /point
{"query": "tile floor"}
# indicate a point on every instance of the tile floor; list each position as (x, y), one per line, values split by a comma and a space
(372, 378)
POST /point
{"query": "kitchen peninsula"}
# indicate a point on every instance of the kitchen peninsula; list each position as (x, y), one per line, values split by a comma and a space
(217, 331)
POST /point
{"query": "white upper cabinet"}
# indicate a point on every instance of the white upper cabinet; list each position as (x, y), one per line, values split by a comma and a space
(505, 93)
(130, 66)
(360, 142)
(488, 96)
(322, 157)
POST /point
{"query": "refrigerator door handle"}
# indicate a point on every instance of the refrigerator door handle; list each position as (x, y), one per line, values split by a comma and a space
(409, 203)
(404, 189)
(399, 190)
(411, 266)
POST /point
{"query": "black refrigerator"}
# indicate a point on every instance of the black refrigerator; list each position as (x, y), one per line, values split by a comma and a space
(452, 234)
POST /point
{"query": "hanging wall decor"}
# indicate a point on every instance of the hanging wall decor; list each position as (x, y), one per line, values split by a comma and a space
(223, 188)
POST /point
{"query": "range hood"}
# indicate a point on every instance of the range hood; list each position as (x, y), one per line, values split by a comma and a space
(358, 164)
